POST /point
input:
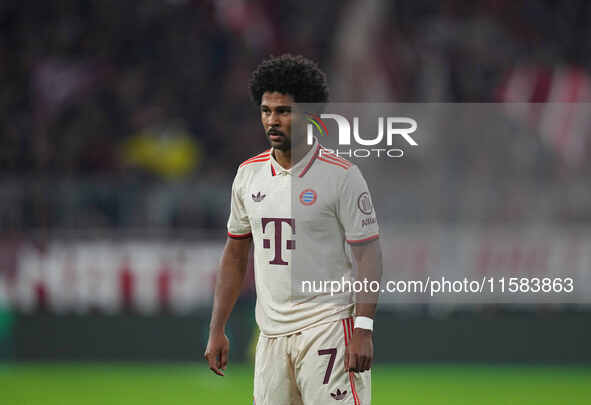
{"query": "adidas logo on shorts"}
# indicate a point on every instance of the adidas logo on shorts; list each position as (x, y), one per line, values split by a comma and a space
(339, 395)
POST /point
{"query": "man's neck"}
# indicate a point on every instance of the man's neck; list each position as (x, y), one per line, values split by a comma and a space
(286, 157)
(283, 157)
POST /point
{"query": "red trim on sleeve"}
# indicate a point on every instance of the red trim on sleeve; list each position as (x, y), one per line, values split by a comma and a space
(264, 159)
(334, 163)
(354, 242)
(243, 236)
(326, 154)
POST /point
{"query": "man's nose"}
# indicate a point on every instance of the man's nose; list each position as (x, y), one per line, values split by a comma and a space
(273, 119)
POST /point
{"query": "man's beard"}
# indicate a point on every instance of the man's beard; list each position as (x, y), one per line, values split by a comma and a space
(283, 145)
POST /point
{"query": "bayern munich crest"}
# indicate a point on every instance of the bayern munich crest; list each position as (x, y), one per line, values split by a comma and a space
(308, 196)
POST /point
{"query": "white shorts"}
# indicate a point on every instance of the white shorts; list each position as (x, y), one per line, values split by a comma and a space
(308, 368)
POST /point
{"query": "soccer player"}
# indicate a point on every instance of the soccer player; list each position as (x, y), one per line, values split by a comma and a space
(317, 348)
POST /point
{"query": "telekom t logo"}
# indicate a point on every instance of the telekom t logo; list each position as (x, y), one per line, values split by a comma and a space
(290, 243)
(410, 126)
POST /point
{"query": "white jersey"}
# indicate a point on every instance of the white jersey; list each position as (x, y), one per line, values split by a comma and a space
(301, 221)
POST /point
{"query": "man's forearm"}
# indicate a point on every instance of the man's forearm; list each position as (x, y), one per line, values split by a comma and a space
(369, 265)
(229, 282)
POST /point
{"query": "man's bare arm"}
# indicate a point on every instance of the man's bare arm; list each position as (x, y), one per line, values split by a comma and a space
(227, 289)
(369, 264)
(368, 256)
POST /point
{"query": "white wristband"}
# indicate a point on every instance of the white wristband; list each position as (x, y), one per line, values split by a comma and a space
(363, 322)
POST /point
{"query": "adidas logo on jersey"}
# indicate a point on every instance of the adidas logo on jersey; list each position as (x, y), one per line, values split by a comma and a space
(258, 197)
(339, 395)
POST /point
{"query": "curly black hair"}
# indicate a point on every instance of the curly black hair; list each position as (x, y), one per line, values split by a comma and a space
(295, 75)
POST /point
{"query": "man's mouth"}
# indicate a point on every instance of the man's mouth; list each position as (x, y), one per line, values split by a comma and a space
(275, 135)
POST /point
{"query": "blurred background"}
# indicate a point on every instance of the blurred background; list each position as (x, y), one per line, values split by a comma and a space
(121, 128)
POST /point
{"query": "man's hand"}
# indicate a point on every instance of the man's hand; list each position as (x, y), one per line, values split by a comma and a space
(227, 289)
(216, 353)
(359, 352)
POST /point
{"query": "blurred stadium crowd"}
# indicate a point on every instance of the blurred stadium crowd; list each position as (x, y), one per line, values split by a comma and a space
(135, 114)
(122, 124)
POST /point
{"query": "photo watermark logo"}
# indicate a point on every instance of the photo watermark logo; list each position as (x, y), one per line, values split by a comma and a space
(394, 127)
